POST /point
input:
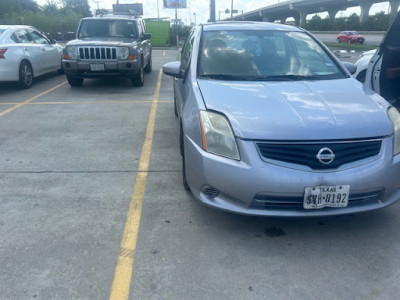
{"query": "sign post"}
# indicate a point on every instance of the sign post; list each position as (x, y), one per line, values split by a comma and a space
(175, 4)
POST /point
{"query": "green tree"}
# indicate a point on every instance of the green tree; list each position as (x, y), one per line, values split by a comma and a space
(80, 6)
(353, 22)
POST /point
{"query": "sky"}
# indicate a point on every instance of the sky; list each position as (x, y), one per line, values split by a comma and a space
(198, 10)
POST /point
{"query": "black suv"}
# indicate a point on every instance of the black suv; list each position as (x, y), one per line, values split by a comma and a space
(108, 46)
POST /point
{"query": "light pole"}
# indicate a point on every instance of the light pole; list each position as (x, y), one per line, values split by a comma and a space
(231, 10)
(195, 22)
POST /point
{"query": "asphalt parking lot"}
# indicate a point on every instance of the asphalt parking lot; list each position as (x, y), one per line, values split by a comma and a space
(92, 207)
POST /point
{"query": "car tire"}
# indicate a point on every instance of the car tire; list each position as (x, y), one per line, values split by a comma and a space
(75, 81)
(138, 80)
(360, 41)
(149, 66)
(25, 75)
(339, 41)
(183, 154)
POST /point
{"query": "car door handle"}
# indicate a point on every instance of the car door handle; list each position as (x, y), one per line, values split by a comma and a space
(44, 49)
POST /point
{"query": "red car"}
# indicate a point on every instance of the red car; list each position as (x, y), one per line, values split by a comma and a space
(350, 37)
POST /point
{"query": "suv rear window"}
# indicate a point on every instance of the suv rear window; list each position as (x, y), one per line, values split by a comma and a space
(107, 29)
(1, 31)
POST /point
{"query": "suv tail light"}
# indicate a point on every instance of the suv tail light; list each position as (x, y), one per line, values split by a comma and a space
(2, 51)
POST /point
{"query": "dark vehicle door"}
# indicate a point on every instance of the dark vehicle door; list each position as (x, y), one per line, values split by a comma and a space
(144, 42)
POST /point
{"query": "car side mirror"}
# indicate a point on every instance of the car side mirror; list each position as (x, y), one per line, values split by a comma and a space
(352, 68)
(53, 41)
(147, 36)
(173, 69)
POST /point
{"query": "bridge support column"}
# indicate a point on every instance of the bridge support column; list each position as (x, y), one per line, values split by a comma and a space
(332, 13)
(394, 7)
(301, 20)
(365, 6)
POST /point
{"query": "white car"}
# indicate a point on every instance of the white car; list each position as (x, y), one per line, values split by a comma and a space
(383, 74)
(25, 53)
(362, 65)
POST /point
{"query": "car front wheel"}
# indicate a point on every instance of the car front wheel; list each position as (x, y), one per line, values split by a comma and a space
(75, 81)
(25, 75)
(149, 66)
(138, 80)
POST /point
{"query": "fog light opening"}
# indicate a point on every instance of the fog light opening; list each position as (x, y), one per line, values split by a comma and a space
(210, 191)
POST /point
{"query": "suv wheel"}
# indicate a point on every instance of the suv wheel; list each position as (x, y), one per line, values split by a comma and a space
(25, 75)
(149, 66)
(138, 80)
(75, 81)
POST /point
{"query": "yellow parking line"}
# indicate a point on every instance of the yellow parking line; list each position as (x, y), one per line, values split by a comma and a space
(31, 99)
(123, 270)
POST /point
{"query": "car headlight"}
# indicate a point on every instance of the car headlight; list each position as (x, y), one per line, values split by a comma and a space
(123, 52)
(72, 52)
(394, 116)
(217, 135)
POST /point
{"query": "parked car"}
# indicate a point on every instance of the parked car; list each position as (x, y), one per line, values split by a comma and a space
(26, 53)
(350, 37)
(362, 65)
(109, 46)
(272, 124)
(383, 75)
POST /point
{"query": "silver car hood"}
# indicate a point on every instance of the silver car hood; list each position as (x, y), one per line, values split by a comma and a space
(298, 110)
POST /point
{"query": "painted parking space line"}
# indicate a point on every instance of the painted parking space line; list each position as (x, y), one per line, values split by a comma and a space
(18, 105)
(123, 270)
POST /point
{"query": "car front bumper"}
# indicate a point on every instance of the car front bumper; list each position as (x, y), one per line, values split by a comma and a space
(256, 187)
(128, 68)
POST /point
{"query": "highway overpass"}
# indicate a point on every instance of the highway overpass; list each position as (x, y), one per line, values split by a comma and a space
(299, 9)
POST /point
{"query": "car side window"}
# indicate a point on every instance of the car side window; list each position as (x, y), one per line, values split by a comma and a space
(187, 51)
(21, 36)
(38, 38)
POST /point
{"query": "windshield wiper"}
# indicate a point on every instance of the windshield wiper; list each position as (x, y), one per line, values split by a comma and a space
(226, 77)
(286, 77)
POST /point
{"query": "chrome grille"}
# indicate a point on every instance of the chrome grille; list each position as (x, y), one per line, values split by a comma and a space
(93, 53)
(306, 153)
(261, 201)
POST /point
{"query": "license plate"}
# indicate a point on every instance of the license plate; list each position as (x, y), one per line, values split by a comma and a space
(326, 196)
(97, 67)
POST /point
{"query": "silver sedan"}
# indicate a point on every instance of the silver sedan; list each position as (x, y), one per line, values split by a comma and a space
(272, 124)
(25, 53)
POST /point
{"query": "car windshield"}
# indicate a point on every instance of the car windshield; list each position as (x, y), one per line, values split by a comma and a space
(107, 29)
(264, 55)
(354, 33)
